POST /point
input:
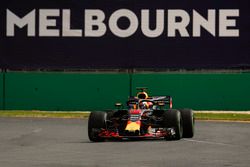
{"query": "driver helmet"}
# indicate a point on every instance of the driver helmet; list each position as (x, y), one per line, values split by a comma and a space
(142, 95)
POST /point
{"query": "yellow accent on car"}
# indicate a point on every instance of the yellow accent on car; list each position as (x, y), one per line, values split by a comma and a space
(133, 126)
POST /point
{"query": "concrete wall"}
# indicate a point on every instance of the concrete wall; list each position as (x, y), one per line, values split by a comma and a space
(1, 91)
(99, 91)
(200, 91)
(64, 91)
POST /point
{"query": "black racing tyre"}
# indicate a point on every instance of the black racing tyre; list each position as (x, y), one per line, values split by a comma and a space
(172, 119)
(97, 121)
(109, 114)
(188, 122)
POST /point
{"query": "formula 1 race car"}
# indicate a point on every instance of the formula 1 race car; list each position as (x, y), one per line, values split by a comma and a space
(144, 117)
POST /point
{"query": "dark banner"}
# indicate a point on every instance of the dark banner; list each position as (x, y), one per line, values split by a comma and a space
(100, 34)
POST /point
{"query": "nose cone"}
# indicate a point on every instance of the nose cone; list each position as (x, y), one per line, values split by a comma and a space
(135, 111)
(133, 126)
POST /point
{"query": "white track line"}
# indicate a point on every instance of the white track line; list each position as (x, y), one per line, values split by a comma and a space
(37, 130)
(208, 142)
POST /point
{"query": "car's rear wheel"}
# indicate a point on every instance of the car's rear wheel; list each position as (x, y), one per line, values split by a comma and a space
(172, 119)
(97, 122)
(188, 122)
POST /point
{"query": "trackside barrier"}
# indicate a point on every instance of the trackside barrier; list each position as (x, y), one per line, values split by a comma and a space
(200, 91)
(80, 91)
(64, 91)
(1, 91)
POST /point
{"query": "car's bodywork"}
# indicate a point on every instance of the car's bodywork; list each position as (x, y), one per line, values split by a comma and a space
(144, 117)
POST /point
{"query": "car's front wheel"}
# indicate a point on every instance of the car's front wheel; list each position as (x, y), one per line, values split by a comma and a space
(188, 122)
(172, 119)
(96, 122)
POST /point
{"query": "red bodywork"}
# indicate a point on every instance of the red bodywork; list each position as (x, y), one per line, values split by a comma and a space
(110, 134)
(159, 133)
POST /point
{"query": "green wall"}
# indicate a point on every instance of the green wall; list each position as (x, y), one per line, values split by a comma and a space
(99, 91)
(1, 91)
(200, 91)
(65, 91)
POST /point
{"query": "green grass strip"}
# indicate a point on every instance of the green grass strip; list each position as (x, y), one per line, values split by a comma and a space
(55, 114)
(223, 116)
(44, 114)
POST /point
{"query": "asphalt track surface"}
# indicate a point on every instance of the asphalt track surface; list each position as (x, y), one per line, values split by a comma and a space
(33, 142)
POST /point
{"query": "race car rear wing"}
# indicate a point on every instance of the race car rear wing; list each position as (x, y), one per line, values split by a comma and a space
(156, 100)
(162, 100)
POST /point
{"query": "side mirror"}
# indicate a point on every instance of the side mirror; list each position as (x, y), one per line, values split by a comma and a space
(161, 104)
(118, 105)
